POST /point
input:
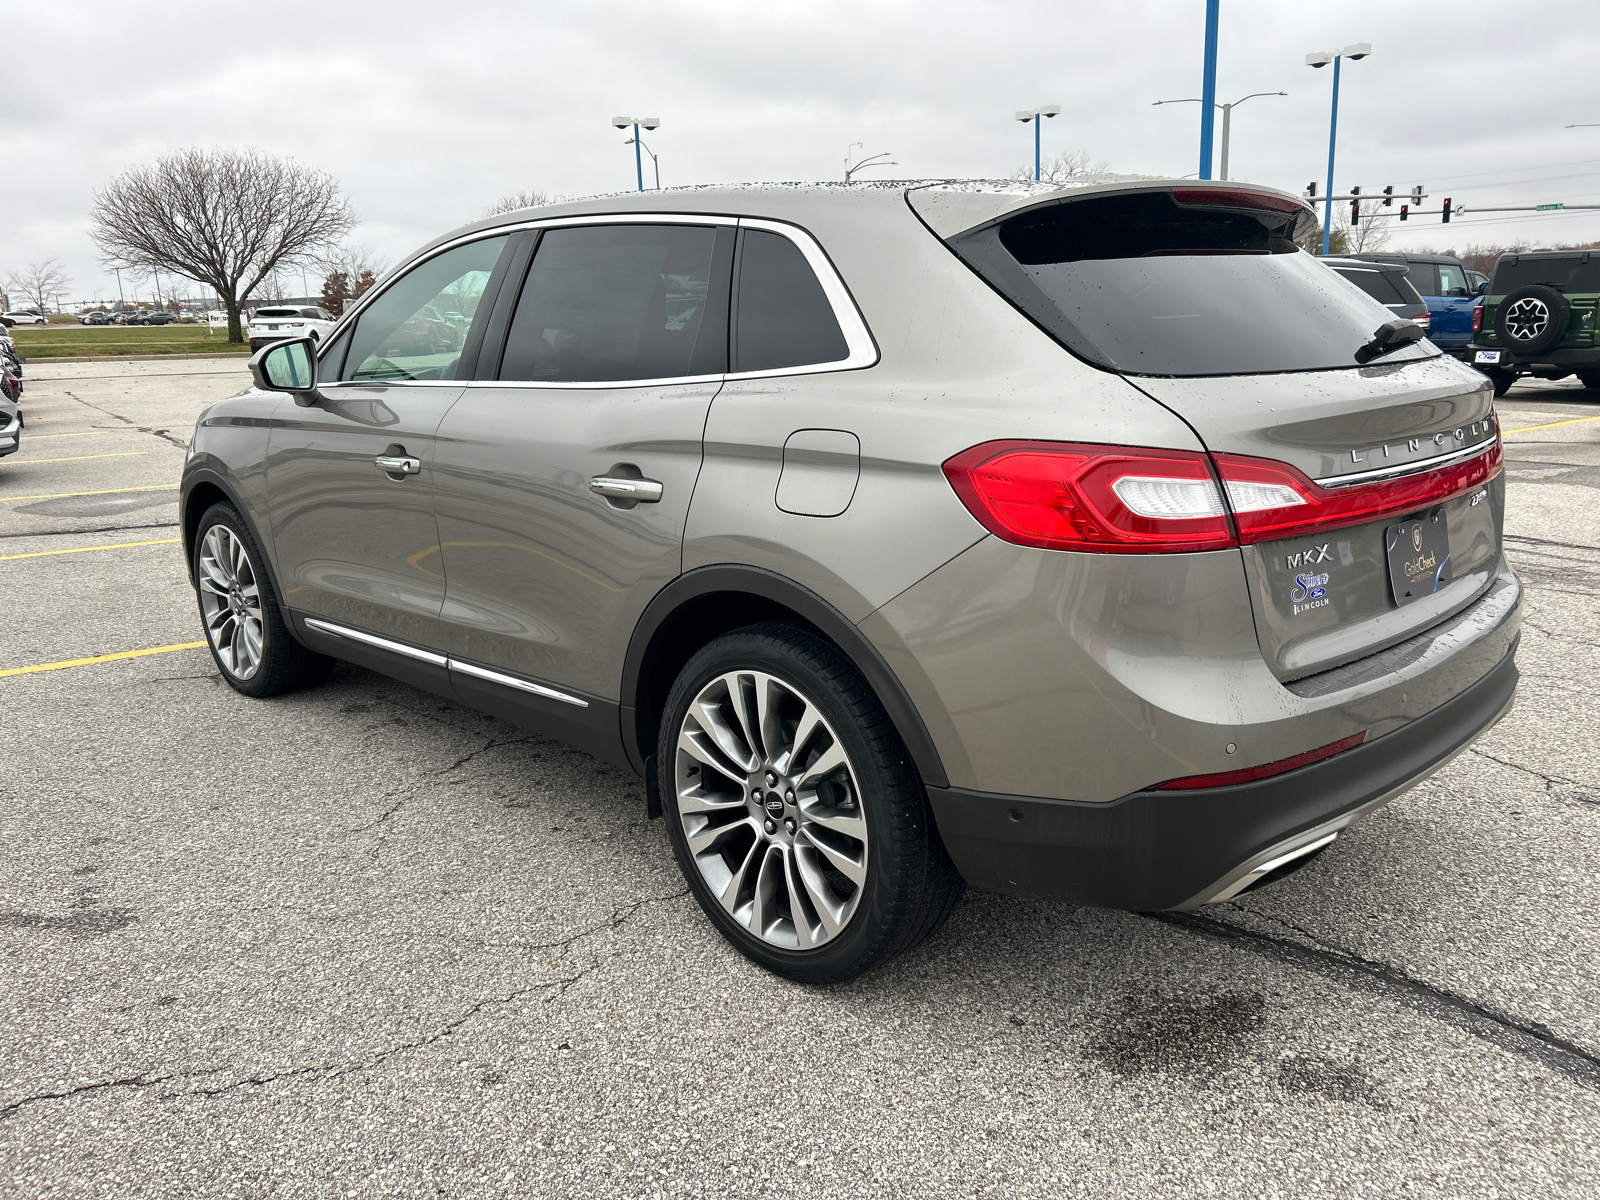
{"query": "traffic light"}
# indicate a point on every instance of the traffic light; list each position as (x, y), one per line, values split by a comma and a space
(1405, 210)
(1355, 206)
(1388, 195)
(1446, 220)
(1311, 190)
(1416, 196)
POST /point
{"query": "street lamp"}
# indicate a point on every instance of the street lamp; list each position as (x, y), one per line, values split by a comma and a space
(870, 162)
(1227, 118)
(1037, 115)
(638, 123)
(654, 159)
(1355, 51)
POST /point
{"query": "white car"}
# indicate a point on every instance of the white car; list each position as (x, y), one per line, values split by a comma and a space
(273, 324)
(26, 318)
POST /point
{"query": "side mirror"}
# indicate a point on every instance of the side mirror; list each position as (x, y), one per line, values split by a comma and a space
(1482, 289)
(288, 366)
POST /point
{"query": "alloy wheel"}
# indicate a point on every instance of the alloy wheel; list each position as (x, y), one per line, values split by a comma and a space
(230, 601)
(1527, 318)
(771, 810)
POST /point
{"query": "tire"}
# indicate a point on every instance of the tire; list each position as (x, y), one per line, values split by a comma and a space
(1590, 380)
(245, 630)
(1501, 379)
(826, 875)
(1532, 319)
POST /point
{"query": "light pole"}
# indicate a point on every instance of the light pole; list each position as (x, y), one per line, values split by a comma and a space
(121, 303)
(1037, 115)
(869, 162)
(1355, 51)
(638, 123)
(1227, 118)
(655, 160)
(1208, 95)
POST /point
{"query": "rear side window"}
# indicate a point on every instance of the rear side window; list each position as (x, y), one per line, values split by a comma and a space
(1580, 273)
(1424, 277)
(1382, 286)
(782, 315)
(416, 328)
(613, 303)
(1142, 284)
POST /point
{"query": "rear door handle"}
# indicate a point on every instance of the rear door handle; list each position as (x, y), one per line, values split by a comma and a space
(646, 491)
(397, 464)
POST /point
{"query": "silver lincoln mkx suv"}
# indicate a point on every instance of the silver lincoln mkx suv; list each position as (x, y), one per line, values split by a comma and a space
(1090, 543)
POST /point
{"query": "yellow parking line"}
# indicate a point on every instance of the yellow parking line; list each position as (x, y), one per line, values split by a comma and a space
(86, 549)
(1553, 424)
(155, 487)
(78, 457)
(99, 658)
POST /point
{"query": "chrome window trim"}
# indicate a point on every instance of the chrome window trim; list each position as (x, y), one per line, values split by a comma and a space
(512, 681)
(372, 639)
(863, 351)
(1415, 465)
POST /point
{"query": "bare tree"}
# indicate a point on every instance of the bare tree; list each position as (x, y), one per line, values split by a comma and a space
(38, 282)
(1064, 168)
(224, 218)
(510, 203)
(347, 272)
(1367, 236)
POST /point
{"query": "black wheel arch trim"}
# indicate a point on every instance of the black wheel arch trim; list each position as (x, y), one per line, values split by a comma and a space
(637, 723)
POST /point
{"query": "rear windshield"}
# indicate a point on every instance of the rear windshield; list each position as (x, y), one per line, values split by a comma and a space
(1141, 284)
(277, 312)
(1580, 273)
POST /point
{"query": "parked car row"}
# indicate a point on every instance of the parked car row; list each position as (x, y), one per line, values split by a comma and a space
(139, 317)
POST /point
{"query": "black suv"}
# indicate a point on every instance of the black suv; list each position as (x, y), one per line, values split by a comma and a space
(1538, 318)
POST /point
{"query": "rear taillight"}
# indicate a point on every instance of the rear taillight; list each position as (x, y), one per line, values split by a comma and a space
(1110, 499)
(1477, 318)
(1137, 500)
(1425, 320)
(1259, 490)
(1265, 770)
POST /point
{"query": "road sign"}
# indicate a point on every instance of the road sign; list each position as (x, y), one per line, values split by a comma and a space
(1545, 207)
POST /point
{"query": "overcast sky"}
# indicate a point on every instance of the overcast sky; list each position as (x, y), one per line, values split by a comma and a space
(427, 112)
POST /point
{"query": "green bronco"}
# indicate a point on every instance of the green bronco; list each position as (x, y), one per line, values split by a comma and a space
(1538, 318)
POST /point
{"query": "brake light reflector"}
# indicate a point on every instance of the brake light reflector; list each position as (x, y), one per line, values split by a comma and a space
(1109, 499)
(1264, 771)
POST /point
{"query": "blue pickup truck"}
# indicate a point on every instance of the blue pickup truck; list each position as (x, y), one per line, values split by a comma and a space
(1450, 291)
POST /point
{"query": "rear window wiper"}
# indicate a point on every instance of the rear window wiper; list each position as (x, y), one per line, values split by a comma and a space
(1389, 337)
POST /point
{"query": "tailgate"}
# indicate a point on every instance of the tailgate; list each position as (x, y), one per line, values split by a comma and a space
(1324, 598)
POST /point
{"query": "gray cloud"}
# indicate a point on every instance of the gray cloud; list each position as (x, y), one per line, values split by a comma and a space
(427, 112)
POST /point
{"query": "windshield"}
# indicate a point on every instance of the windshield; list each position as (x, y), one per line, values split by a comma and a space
(1580, 273)
(1142, 284)
(277, 312)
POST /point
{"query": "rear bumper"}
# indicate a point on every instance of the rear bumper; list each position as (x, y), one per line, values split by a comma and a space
(1164, 850)
(1581, 358)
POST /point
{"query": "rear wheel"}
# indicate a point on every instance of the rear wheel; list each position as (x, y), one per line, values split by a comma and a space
(245, 629)
(794, 810)
(1501, 379)
(1590, 380)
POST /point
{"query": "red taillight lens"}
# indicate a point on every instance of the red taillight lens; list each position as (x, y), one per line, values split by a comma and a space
(1248, 774)
(1477, 318)
(1272, 500)
(1110, 499)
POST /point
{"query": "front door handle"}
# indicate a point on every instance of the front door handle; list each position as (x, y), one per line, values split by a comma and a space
(645, 491)
(397, 464)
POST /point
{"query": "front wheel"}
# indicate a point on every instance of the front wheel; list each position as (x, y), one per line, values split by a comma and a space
(245, 629)
(794, 810)
(1502, 380)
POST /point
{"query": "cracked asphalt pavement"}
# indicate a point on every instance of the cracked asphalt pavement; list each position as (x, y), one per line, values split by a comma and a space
(363, 942)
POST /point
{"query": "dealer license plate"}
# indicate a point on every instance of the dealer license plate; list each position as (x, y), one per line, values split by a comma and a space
(1419, 557)
(1486, 356)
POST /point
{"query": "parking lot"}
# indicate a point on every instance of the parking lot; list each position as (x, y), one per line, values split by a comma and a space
(359, 941)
